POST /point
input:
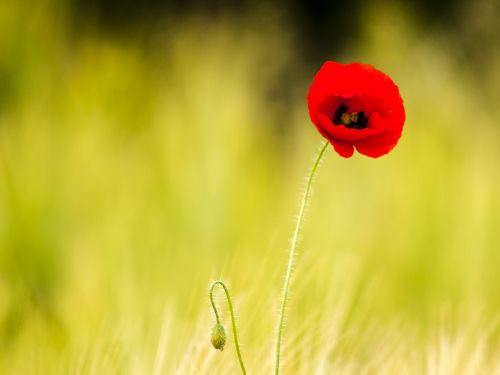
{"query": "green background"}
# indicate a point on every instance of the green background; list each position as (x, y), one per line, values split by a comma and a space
(137, 166)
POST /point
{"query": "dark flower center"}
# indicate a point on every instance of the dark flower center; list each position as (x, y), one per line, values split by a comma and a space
(351, 120)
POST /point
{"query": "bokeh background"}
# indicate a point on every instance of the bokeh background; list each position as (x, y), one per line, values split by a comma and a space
(150, 147)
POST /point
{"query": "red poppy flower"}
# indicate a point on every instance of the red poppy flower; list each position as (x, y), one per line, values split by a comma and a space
(356, 106)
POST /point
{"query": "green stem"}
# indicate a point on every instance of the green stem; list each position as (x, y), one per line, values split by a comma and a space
(291, 256)
(233, 320)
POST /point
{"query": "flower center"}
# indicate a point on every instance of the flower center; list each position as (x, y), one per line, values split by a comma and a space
(351, 120)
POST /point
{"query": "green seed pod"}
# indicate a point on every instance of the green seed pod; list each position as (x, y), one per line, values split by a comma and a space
(218, 338)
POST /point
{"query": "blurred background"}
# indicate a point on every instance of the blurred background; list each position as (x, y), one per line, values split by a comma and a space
(148, 148)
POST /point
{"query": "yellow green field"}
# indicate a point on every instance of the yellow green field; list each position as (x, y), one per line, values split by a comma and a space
(133, 174)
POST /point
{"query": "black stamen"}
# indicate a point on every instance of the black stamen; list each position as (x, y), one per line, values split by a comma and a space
(337, 116)
(360, 123)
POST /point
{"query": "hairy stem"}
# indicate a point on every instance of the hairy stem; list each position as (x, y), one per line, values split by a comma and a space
(233, 320)
(291, 256)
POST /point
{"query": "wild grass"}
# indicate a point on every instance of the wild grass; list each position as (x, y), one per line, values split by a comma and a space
(131, 177)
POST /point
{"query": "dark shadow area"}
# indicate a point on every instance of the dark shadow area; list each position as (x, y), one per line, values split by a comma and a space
(318, 24)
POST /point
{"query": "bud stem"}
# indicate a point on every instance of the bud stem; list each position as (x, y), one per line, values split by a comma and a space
(233, 320)
(291, 256)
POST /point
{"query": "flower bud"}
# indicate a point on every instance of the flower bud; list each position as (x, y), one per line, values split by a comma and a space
(218, 337)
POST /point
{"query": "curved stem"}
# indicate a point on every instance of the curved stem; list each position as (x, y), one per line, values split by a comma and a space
(233, 320)
(291, 255)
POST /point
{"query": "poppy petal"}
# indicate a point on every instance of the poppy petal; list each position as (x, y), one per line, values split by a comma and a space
(361, 89)
(345, 150)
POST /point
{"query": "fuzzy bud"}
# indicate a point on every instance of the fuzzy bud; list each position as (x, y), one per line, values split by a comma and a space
(218, 337)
